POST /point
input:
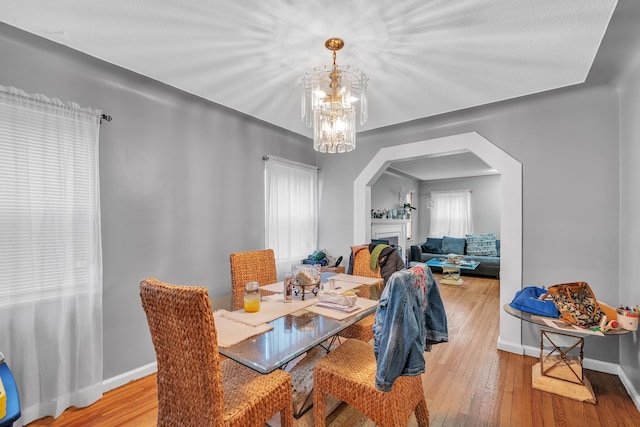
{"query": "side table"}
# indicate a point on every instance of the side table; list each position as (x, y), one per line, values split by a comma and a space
(560, 370)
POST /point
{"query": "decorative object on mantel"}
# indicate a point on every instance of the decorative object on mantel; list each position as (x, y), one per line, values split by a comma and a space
(381, 214)
(407, 210)
(330, 100)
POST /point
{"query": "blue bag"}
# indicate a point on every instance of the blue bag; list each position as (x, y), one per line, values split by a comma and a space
(527, 300)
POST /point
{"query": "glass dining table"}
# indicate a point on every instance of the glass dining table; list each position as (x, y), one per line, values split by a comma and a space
(294, 334)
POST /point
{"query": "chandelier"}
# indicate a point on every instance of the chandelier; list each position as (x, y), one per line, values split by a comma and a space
(332, 98)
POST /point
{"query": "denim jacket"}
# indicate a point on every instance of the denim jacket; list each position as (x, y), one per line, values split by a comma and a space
(409, 319)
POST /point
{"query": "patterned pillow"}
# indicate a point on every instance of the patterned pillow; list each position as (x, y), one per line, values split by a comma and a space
(483, 244)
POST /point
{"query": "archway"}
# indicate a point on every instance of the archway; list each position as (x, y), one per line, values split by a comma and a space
(510, 210)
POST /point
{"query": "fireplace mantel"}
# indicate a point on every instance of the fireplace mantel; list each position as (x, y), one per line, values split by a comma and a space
(385, 228)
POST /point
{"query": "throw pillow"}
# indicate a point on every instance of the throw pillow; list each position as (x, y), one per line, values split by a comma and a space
(483, 244)
(453, 245)
(432, 245)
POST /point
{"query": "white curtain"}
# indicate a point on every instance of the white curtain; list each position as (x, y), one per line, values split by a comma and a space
(50, 252)
(451, 214)
(291, 211)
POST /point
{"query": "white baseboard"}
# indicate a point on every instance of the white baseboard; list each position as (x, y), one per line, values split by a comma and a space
(127, 377)
(633, 393)
(510, 347)
(594, 365)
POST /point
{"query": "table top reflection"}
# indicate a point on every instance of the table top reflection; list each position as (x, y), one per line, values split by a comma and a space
(291, 336)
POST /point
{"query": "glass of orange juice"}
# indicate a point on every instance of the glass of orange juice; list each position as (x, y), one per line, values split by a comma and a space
(251, 297)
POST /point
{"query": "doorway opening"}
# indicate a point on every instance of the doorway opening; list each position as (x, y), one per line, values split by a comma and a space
(510, 210)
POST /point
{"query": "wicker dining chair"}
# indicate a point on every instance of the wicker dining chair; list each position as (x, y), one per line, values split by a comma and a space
(252, 266)
(196, 388)
(349, 372)
(362, 330)
(362, 264)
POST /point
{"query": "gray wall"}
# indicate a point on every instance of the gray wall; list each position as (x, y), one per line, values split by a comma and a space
(181, 181)
(567, 141)
(382, 191)
(630, 206)
(485, 202)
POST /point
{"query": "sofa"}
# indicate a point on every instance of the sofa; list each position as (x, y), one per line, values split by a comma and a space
(484, 248)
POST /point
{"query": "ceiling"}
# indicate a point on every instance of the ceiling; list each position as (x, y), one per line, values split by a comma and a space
(422, 57)
(448, 166)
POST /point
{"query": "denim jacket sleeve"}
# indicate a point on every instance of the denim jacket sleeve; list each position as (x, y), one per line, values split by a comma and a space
(436, 318)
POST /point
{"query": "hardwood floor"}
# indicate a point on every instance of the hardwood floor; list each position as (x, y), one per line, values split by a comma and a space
(468, 382)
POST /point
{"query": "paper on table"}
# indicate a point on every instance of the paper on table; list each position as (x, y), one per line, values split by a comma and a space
(562, 325)
(362, 303)
(277, 287)
(342, 308)
(231, 332)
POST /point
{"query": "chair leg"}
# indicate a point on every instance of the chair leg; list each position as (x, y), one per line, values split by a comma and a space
(422, 413)
(286, 416)
(318, 408)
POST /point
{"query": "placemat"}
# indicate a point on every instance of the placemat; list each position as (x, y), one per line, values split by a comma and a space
(271, 307)
(231, 332)
(277, 287)
(345, 285)
(361, 280)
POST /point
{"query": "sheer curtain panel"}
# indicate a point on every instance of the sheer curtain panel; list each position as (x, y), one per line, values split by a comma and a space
(451, 214)
(291, 211)
(50, 256)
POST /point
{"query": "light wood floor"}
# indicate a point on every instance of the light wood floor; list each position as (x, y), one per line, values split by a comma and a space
(468, 382)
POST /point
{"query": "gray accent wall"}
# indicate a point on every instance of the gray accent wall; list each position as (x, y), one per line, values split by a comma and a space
(383, 195)
(629, 174)
(567, 141)
(181, 181)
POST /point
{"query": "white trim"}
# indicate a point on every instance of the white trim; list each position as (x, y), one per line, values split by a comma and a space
(511, 347)
(628, 385)
(126, 377)
(510, 206)
(599, 366)
(594, 365)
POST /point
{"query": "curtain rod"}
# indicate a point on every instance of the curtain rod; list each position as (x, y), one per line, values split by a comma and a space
(267, 157)
(449, 191)
(105, 117)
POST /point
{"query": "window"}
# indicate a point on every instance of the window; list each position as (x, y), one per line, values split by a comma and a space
(409, 199)
(291, 217)
(451, 214)
(50, 253)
